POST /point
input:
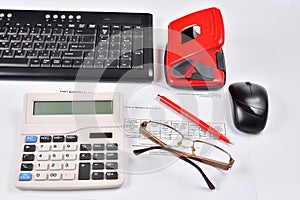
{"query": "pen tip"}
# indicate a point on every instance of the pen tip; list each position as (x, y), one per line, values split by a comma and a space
(230, 143)
(158, 95)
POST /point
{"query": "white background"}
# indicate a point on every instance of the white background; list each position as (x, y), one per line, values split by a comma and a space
(261, 45)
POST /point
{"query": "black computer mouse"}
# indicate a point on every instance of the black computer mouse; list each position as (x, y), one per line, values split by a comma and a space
(250, 106)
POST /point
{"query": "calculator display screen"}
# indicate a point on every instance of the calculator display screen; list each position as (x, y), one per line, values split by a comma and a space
(72, 107)
(100, 135)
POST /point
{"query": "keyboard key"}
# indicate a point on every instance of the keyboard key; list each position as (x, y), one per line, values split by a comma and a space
(85, 156)
(67, 63)
(57, 31)
(58, 147)
(28, 157)
(137, 59)
(27, 46)
(30, 139)
(35, 31)
(20, 54)
(84, 171)
(41, 166)
(85, 147)
(87, 39)
(40, 176)
(55, 166)
(15, 62)
(58, 138)
(57, 156)
(111, 146)
(70, 156)
(8, 54)
(69, 166)
(46, 31)
(45, 63)
(71, 138)
(35, 62)
(29, 148)
(73, 54)
(44, 147)
(68, 176)
(98, 166)
(81, 47)
(111, 156)
(77, 63)
(43, 157)
(56, 63)
(45, 138)
(26, 167)
(86, 32)
(71, 147)
(111, 165)
(98, 156)
(25, 177)
(98, 175)
(54, 176)
(111, 175)
(98, 147)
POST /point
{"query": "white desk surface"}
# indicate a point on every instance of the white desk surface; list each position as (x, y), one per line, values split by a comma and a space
(261, 45)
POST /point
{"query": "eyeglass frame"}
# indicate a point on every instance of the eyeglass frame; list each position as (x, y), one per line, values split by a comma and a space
(183, 155)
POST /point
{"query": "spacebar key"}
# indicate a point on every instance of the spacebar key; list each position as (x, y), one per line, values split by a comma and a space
(14, 62)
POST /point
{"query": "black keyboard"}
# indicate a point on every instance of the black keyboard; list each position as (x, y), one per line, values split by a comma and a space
(84, 46)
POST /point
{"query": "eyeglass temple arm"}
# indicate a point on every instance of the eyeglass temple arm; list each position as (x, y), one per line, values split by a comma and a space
(208, 182)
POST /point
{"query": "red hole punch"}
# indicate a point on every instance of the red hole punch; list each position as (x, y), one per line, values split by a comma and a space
(194, 57)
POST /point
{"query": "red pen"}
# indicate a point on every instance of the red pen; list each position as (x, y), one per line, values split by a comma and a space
(192, 118)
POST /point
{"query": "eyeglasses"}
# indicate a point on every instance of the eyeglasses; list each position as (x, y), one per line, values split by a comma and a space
(175, 142)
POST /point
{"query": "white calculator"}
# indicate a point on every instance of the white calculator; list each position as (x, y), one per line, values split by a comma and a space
(71, 141)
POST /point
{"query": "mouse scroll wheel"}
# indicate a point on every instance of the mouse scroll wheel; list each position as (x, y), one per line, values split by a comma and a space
(250, 86)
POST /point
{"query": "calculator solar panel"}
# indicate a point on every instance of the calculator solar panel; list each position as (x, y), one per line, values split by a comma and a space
(73, 45)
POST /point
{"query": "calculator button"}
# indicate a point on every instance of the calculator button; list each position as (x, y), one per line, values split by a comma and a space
(70, 156)
(98, 156)
(111, 175)
(97, 175)
(45, 139)
(69, 166)
(98, 166)
(29, 148)
(111, 165)
(111, 146)
(58, 138)
(85, 156)
(71, 147)
(69, 176)
(25, 177)
(98, 147)
(30, 139)
(54, 176)
(84, 171)
(40, 176)
(55, 166)
(43, 156)
(71, 138)
(57, 147)
(56, 156)
(44, 147)
(85, 147)
(41, 167)
(28, 157)
(26, 167)
(111, 156)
